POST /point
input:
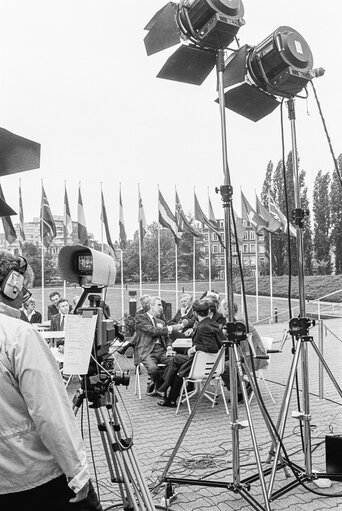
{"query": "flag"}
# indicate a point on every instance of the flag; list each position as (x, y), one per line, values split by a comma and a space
(211, 214)
(251, 216)
(21, 219)
(240, 229)
(122, 230)
(104, 219)
(47, 223)
(81, 224)
(273, 224)
(200, 217)
(142, 219)
(67, 222)
(275, 211)
(7, 223)
(183, 223)
(167, 219)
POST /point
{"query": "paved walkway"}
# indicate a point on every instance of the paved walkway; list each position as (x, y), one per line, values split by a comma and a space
(206, 451)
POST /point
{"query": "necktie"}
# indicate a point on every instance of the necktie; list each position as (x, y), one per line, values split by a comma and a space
(62, 322)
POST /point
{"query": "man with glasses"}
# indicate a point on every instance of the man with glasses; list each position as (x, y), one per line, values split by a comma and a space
(43, 461)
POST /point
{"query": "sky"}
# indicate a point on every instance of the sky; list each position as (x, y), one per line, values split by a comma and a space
(75, 77)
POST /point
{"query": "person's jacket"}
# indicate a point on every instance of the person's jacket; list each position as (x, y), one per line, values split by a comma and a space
(39, 434)
(208, 336)
(146, 336)
(36, 317)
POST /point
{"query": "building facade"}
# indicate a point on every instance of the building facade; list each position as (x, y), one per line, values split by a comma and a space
(248, 249)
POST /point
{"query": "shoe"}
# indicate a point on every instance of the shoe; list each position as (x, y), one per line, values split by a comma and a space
(169, 404)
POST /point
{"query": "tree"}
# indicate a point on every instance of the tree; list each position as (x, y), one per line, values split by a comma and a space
(336, 218)
(321, 210)
(33, 255)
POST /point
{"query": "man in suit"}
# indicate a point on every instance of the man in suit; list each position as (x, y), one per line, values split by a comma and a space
(184, 316)
(53, 309)
(28, 312)
(58, 320)
(153, 344)
(207, 337)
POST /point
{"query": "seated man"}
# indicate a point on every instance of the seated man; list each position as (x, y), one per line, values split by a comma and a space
(58, 320)
(207, 337)
(184, 316)
(53, 309)
(153, 345)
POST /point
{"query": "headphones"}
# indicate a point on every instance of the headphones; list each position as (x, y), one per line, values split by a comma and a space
(13, 283)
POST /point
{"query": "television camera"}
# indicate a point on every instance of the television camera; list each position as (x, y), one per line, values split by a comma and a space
(94, 272)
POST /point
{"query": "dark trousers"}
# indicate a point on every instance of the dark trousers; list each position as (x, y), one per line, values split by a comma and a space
(171, 378)
(157, 356)
(53, 496)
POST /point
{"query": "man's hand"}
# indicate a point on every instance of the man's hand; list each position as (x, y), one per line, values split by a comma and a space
(82, 494)
(188, 332)
(169, 351)
(177, 328)
(191, 351)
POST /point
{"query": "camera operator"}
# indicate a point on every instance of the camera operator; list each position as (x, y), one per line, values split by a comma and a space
(43, 459)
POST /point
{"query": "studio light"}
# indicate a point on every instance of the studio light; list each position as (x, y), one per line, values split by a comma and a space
(280, 66)
(202, 27)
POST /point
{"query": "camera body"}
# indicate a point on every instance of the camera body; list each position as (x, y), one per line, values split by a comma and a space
(94, 272)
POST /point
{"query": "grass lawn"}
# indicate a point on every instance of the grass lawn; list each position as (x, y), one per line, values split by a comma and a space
(260, 309)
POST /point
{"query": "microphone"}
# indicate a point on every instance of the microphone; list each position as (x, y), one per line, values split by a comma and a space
(316, 73)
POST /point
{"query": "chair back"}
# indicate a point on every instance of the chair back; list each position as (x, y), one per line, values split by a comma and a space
(203, 364)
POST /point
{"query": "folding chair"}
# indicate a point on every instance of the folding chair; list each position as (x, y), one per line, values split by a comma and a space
(199, 372)
(267, 343)
(138, 369)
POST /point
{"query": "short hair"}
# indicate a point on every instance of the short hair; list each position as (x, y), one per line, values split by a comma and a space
(202, 307)
(27, 303)
(144, 302)
(61, 300)
(8, 262)
(224, 306)
(151, 300)
(187, 295)
(53, 294)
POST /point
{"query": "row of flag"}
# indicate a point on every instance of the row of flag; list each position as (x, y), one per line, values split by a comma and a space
(261, 218)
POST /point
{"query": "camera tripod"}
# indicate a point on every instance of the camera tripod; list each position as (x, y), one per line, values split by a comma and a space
(121, 459)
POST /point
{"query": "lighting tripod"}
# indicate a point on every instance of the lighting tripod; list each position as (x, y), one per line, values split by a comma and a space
(299, 329)
(118, 447)
(237, 366)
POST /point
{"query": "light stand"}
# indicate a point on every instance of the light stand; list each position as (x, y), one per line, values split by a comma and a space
(121, 459)
(237, 365)
(299, 328)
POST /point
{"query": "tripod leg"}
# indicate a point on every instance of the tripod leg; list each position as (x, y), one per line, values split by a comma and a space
(146, 495)
(326, 367)
(283, 415)
(251, 427)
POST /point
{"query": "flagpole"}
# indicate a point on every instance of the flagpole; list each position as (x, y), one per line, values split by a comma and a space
(271, 274)
(122, 286)
(140, 265)
(65, 238)
(194, 259)
(102, 219)
(209, 247)
(42, 254)
(257, 277)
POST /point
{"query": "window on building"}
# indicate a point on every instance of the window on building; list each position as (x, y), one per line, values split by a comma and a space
(215, 249)
(261, 249)
(245, 236)
(245, 248)
(252, 248)
(252, 261)
(252, 235)
(214, 238)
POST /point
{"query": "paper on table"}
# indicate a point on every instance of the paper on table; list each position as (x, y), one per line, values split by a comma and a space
(79, 337)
